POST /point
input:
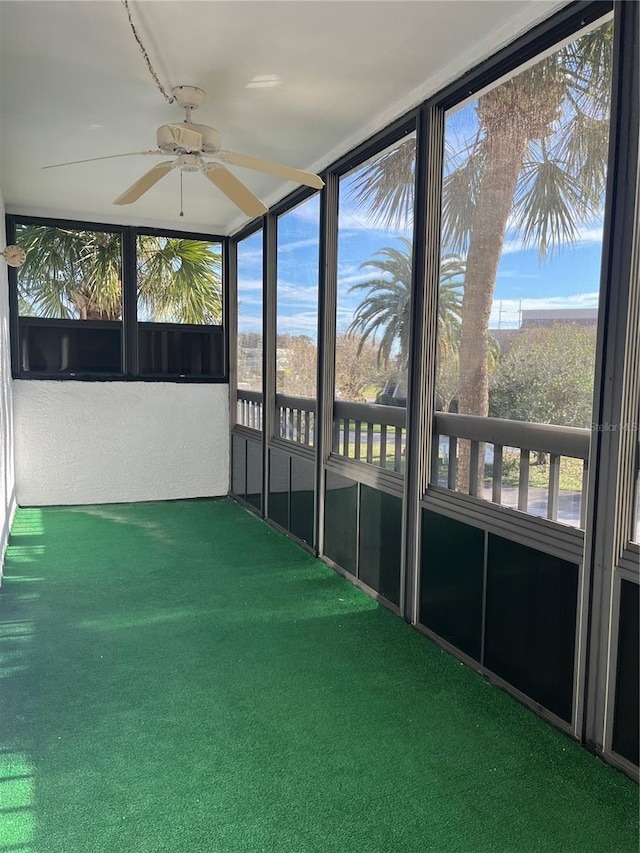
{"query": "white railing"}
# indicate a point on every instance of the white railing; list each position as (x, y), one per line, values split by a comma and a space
(249, 411)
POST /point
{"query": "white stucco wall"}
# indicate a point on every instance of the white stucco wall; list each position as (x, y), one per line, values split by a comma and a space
(113, 442)
(7, 482)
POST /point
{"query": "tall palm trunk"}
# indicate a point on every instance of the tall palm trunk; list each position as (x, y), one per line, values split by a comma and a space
(494, 204)
(512, 114)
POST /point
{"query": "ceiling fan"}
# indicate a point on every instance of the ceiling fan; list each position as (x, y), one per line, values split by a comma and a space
(191, 143)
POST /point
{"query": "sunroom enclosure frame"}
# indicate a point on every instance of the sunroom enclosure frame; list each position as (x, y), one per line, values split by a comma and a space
(603, 552)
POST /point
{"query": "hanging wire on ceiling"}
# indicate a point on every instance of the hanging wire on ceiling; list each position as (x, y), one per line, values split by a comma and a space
(168, 98)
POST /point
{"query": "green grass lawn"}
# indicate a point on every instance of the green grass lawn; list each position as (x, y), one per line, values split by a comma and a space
(571, 472)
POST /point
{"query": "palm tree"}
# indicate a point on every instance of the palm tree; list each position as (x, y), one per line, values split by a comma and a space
(385, 309)
(77, 274)
(534, 166)
(179, 280)
(69, 274)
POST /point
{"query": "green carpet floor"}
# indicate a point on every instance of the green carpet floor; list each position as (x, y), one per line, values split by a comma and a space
(180, 677)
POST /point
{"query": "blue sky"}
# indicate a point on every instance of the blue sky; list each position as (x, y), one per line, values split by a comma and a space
(570, 279)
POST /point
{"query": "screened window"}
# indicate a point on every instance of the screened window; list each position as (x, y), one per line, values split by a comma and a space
(81, 312)
(179, 294)
(373, 307)
(522, 212)
(297, 322)
(249, 338)
(69, 301)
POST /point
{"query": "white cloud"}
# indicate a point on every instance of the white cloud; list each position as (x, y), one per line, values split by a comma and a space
(356, 221)
(588, 235)
(308, 211)
(295, 294)
(249, 255)
(303, 323)
(518, 274)
(298, 244)
(245, 284)
(247, 325)
(245, 301)
(351, 280)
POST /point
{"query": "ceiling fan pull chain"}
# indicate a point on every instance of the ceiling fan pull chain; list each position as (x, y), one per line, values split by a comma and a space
(181, 202)
(168, 98)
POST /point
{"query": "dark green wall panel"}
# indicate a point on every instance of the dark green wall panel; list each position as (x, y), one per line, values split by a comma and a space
(302, 499)
(340, 521)
(531, 622)
(451, 578)
(627, 700)
(380, 542)
(239, 466)
(254, 474)
(279, 477)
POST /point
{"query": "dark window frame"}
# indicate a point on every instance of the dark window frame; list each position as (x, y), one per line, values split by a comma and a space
(129, 323)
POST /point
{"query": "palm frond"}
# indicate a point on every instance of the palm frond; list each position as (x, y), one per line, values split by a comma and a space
(459, 195)
(383, 316)
(587, 64)
(385, 188)
(583, 147)
(551, 206)
(179, 280)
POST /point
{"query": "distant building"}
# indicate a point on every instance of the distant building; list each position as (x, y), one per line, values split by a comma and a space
(532, 318)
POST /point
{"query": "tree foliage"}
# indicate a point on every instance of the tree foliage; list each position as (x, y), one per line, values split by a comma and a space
(180, 281)
(358, 374)
(296, 365)
(78, 275)
(546, 377)
(383, 317)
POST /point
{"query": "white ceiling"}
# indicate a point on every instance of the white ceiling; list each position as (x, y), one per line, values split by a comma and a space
(74, 84)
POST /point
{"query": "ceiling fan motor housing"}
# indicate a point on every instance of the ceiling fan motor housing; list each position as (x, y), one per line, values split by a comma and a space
(210, 139)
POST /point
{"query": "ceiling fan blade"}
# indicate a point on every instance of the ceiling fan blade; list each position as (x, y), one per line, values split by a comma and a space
(186, 138)
(235, 190)
(145, 182)
(260, 165)
(110, 157)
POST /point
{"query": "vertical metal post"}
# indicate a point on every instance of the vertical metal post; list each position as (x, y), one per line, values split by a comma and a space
(452, 468)
(611, 454)
(422, 349)
(230, 307)
(523, 481)
(554, 487)
(496, 474)
(327, 291)
(130, 338)
(269, 279)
